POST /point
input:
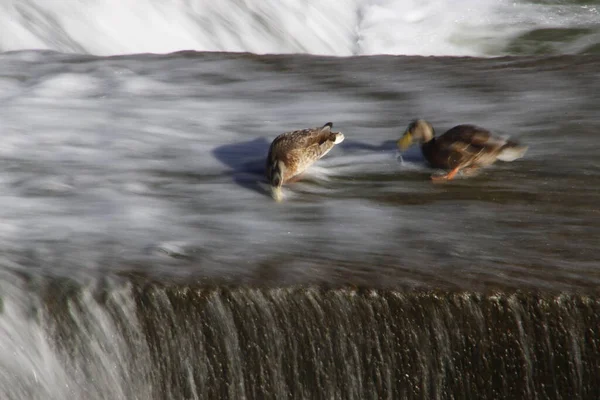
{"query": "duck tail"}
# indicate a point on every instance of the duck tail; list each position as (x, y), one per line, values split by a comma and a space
(512, 151)
(338, 137)
(276, 179)
(335, 137)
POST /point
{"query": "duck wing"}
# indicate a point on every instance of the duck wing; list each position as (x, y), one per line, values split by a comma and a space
(304, 138)
(469, 135)
(467, 142)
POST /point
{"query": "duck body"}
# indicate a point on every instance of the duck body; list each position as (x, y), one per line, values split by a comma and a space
(291, 153)
(464, 147)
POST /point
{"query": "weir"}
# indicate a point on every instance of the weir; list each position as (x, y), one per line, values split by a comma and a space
(147, 340)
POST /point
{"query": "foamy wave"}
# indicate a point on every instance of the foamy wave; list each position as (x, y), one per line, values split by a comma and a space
(340, 28)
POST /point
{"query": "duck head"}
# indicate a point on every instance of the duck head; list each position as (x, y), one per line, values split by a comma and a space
(419, 131)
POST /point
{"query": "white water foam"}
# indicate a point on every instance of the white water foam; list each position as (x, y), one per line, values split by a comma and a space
(340, 28)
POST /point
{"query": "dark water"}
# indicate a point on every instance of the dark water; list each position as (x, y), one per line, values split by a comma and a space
(142, 257)
(173, 341)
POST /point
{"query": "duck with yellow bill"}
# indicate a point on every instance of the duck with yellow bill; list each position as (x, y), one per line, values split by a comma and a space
(463, 148)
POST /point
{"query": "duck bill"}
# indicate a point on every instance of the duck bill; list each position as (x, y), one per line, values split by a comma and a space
(405, 142)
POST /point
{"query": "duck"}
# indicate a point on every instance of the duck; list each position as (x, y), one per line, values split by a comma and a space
(291, 153)
(464, 148)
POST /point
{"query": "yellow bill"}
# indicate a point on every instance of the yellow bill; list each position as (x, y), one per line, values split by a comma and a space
(405, 142)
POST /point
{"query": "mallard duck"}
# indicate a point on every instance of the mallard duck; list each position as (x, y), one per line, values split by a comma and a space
(464, 147)
(292, 152)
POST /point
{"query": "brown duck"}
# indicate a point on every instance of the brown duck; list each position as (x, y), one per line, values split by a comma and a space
(291, 153)
(464, 147)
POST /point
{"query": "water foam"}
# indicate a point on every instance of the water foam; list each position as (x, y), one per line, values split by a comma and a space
(340, 28)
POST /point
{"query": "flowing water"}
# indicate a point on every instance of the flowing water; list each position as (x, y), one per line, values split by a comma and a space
(143, 258)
